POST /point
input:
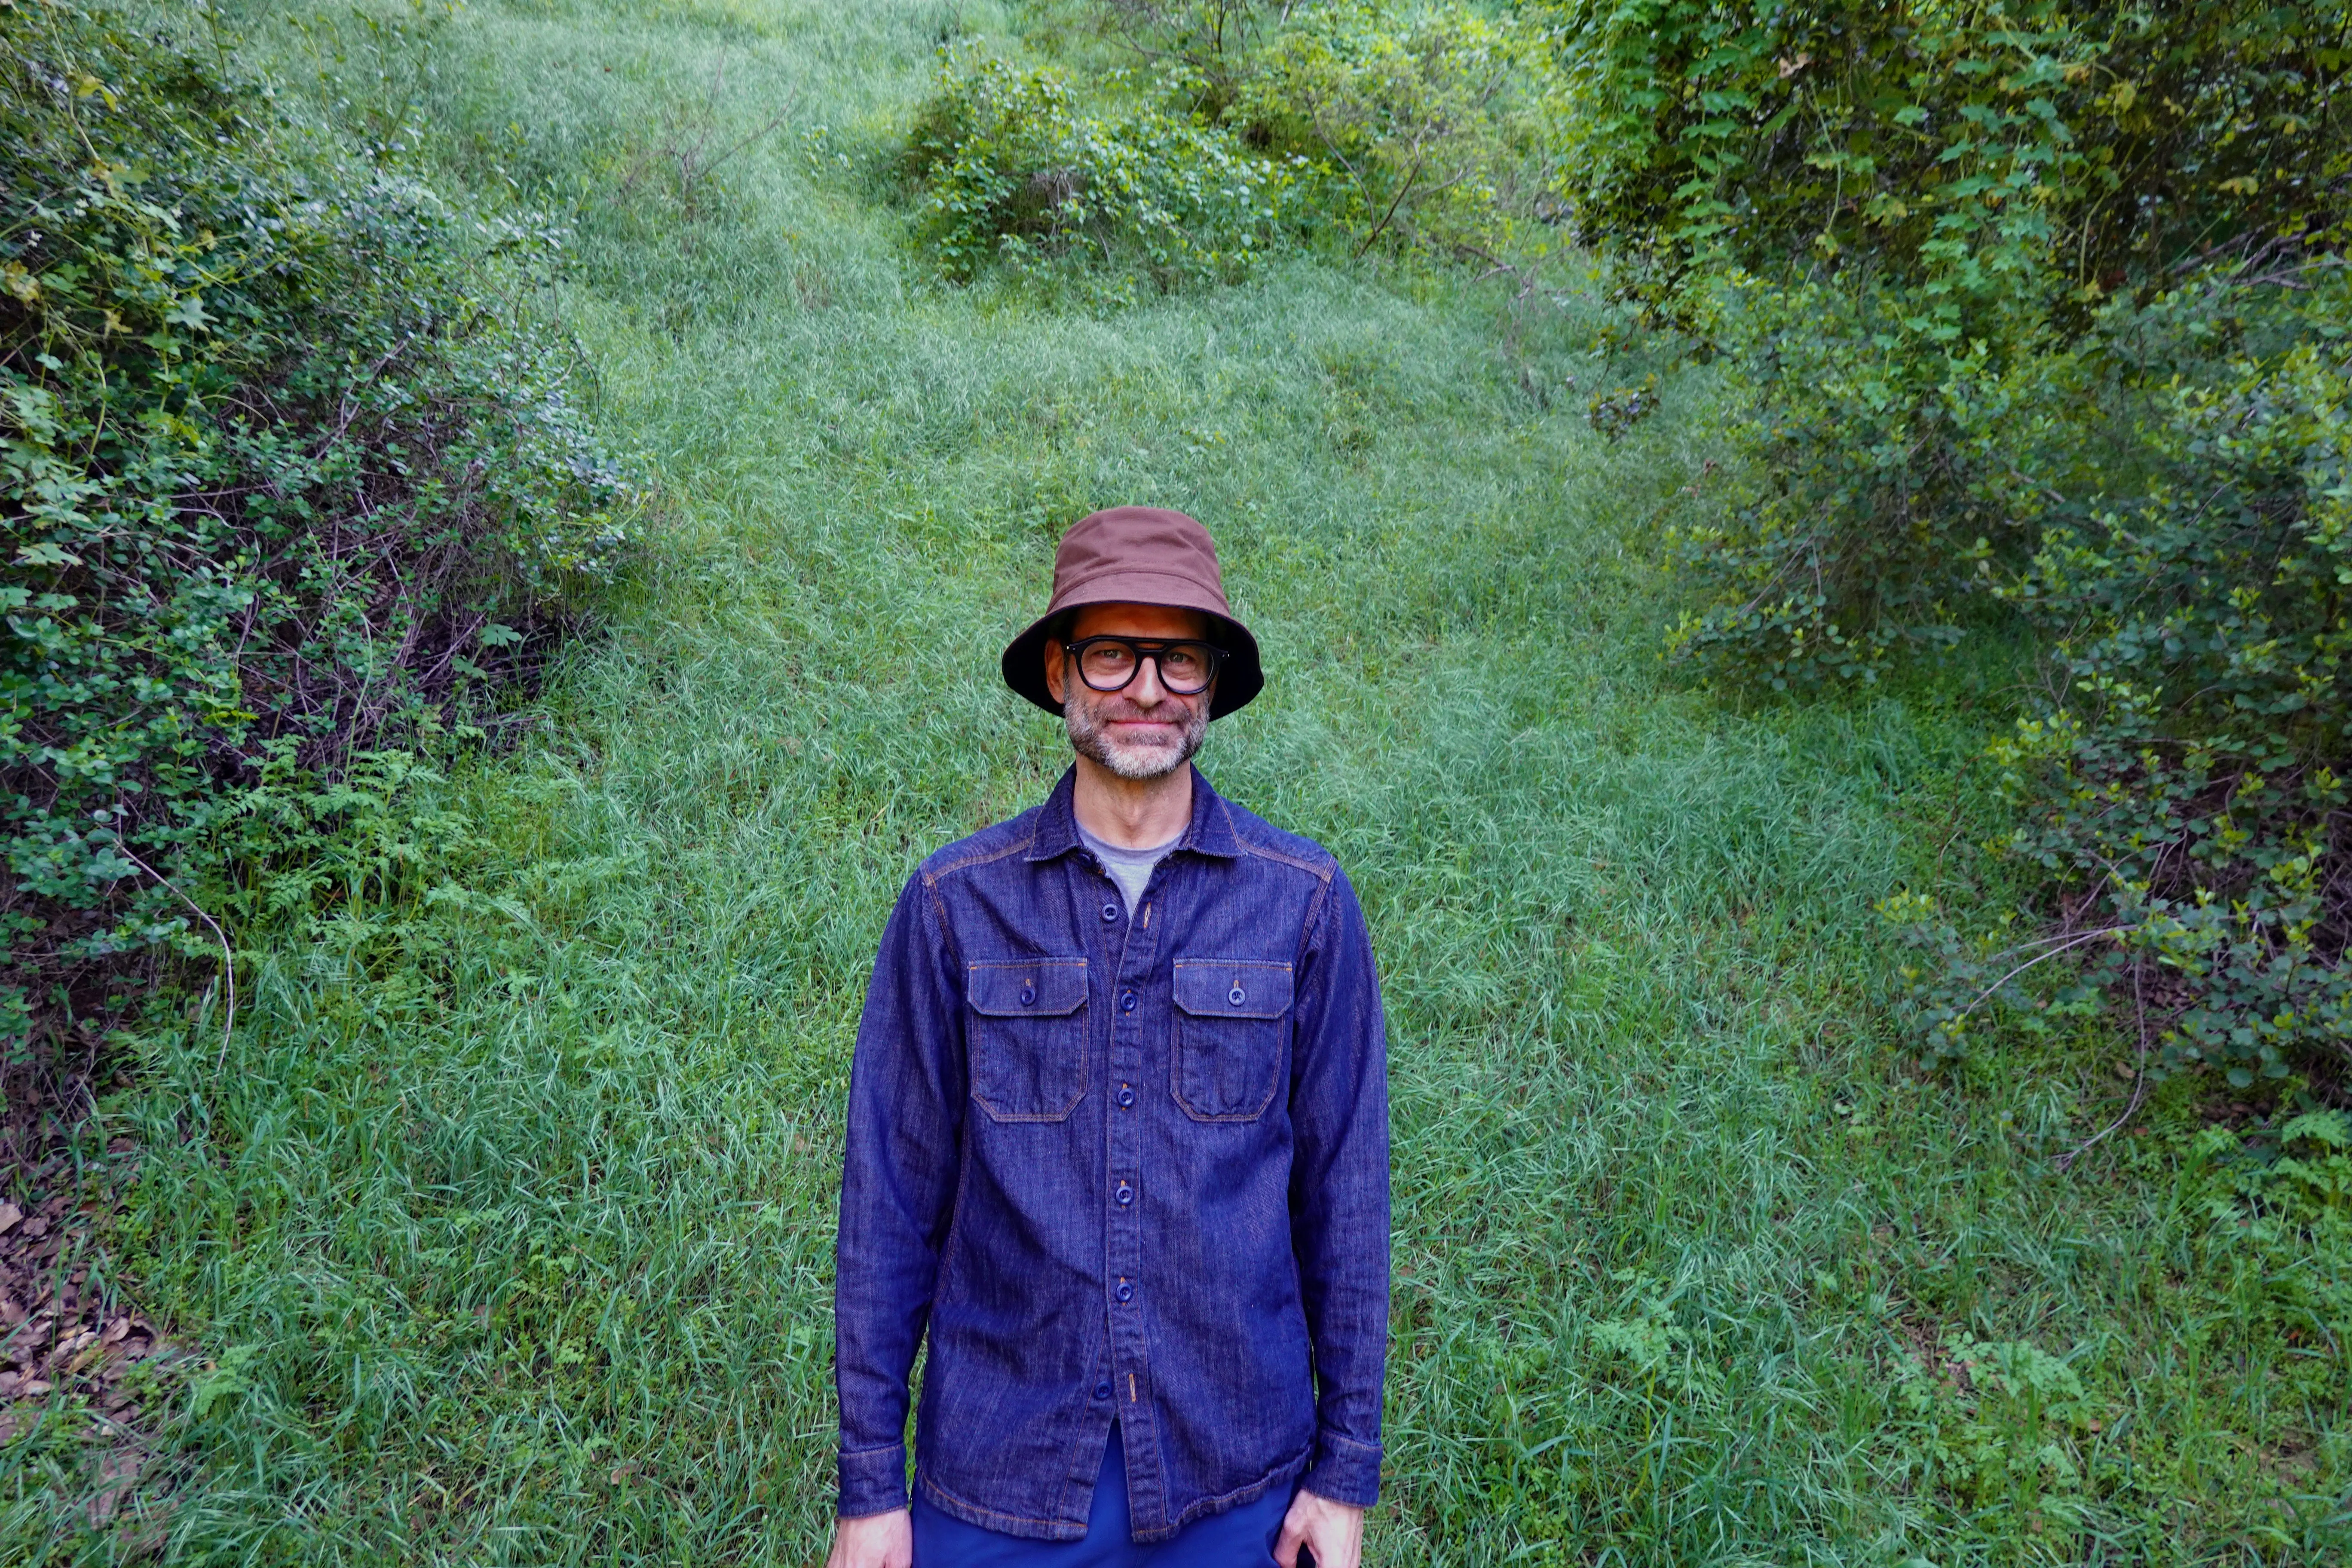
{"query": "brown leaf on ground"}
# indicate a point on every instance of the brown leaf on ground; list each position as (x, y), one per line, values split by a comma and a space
(60, 1339)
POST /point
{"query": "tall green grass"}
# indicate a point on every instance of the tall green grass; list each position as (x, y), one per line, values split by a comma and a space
(508, 1217)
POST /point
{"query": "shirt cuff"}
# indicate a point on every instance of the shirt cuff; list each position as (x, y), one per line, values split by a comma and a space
(873, 1480)
(1345, 1470)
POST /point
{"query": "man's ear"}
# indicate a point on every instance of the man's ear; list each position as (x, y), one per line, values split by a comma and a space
(1053, 656)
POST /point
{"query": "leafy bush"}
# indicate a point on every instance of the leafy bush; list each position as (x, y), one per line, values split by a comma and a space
(287, 472)
(1014, 174)
(1851, 531)
(1208, 44)
(1899, 223)
(1412, 133)
(1916, 209)
(1965, 149)
(1420, 131)
(2182, 790)
(2011, 297)
(2192, 778)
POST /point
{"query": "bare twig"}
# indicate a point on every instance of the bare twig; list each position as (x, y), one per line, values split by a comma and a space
(2139, 1080)
(2072, 941)
(228, 955)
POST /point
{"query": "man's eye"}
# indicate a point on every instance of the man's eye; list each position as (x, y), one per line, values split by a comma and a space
(1183, 662)
(1110, 656)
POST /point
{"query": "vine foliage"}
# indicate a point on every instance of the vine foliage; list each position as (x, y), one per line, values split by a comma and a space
(2034, 311)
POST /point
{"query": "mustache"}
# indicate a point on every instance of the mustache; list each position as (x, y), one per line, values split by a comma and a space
(1110, 708)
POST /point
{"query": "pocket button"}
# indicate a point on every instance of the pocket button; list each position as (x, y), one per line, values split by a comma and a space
(1237, 995)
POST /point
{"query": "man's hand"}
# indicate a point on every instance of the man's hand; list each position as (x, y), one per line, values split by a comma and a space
(877, 1540)
(1332, 1532)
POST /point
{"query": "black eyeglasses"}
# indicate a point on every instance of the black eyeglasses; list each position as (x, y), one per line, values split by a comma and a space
(1110, 664)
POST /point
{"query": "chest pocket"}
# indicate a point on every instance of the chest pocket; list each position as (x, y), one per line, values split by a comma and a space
(1028, 1038)
(1232, 1018)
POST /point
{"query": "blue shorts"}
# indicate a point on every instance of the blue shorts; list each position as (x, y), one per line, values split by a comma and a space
(1240, 1537)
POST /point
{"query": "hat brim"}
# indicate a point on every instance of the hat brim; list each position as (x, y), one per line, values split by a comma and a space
(1239, 677)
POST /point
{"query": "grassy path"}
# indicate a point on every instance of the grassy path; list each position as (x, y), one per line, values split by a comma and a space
(514, 1204)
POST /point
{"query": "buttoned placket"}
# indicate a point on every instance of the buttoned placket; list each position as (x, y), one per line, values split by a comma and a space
(1134, 939)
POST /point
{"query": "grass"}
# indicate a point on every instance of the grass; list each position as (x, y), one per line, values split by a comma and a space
(507, 1219)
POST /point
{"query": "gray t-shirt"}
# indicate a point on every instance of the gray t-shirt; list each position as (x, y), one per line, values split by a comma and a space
(1131, 868)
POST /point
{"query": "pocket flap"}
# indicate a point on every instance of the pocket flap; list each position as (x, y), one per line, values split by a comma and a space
(1231, 988)
(1027, 987)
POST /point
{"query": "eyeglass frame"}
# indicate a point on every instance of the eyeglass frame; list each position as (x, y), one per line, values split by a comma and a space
(1143, 649)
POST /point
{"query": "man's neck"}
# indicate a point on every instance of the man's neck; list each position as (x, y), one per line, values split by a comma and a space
(1132, 814)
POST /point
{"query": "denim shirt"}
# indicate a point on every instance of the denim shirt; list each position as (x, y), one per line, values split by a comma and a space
(1120, 1166)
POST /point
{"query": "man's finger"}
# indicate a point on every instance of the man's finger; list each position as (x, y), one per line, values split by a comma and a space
(1286, 1545)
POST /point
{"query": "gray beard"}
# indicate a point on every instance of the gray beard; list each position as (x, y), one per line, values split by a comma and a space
(1140, 764)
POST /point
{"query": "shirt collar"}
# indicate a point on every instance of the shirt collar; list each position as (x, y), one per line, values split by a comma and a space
(1211, 831)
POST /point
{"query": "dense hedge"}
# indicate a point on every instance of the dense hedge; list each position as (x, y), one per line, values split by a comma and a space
(2037, 314)
(285, 474)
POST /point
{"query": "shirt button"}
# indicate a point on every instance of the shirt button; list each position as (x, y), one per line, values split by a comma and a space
(1125, 1195)
(1126, 1292)
(1110, 912)
(1102, 1390)
(1126, 1097)
(1127, 1003)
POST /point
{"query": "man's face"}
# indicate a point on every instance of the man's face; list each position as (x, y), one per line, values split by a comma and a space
(1145, 731)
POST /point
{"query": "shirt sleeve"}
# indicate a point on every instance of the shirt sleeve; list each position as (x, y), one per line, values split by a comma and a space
(1339, 1194)
(906, 1100)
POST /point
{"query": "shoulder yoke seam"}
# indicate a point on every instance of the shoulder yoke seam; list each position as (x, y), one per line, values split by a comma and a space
(932, 877)
(1267, 851)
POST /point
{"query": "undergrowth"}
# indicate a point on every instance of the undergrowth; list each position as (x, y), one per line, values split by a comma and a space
(2035, 313)
(292, 475)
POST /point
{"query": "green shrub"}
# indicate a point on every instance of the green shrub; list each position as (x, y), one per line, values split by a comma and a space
(2191, 778)
(1856, 523)
(2180, 791)
(1420, 129)
(1208, 45)
(1411, 133)
(2005, 292)
(286, 470)
(1900, 223)
(1014, 175)
(1963, 147)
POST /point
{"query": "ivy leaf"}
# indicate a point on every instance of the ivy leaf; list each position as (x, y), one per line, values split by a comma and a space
(189, 311)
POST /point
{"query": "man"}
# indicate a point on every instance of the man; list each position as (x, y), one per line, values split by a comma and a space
(1119, 1137)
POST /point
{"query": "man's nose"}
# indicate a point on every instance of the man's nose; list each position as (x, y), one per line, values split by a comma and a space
(1145, 691)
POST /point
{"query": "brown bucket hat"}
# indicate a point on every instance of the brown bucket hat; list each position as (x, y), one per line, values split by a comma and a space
(1138, 555)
